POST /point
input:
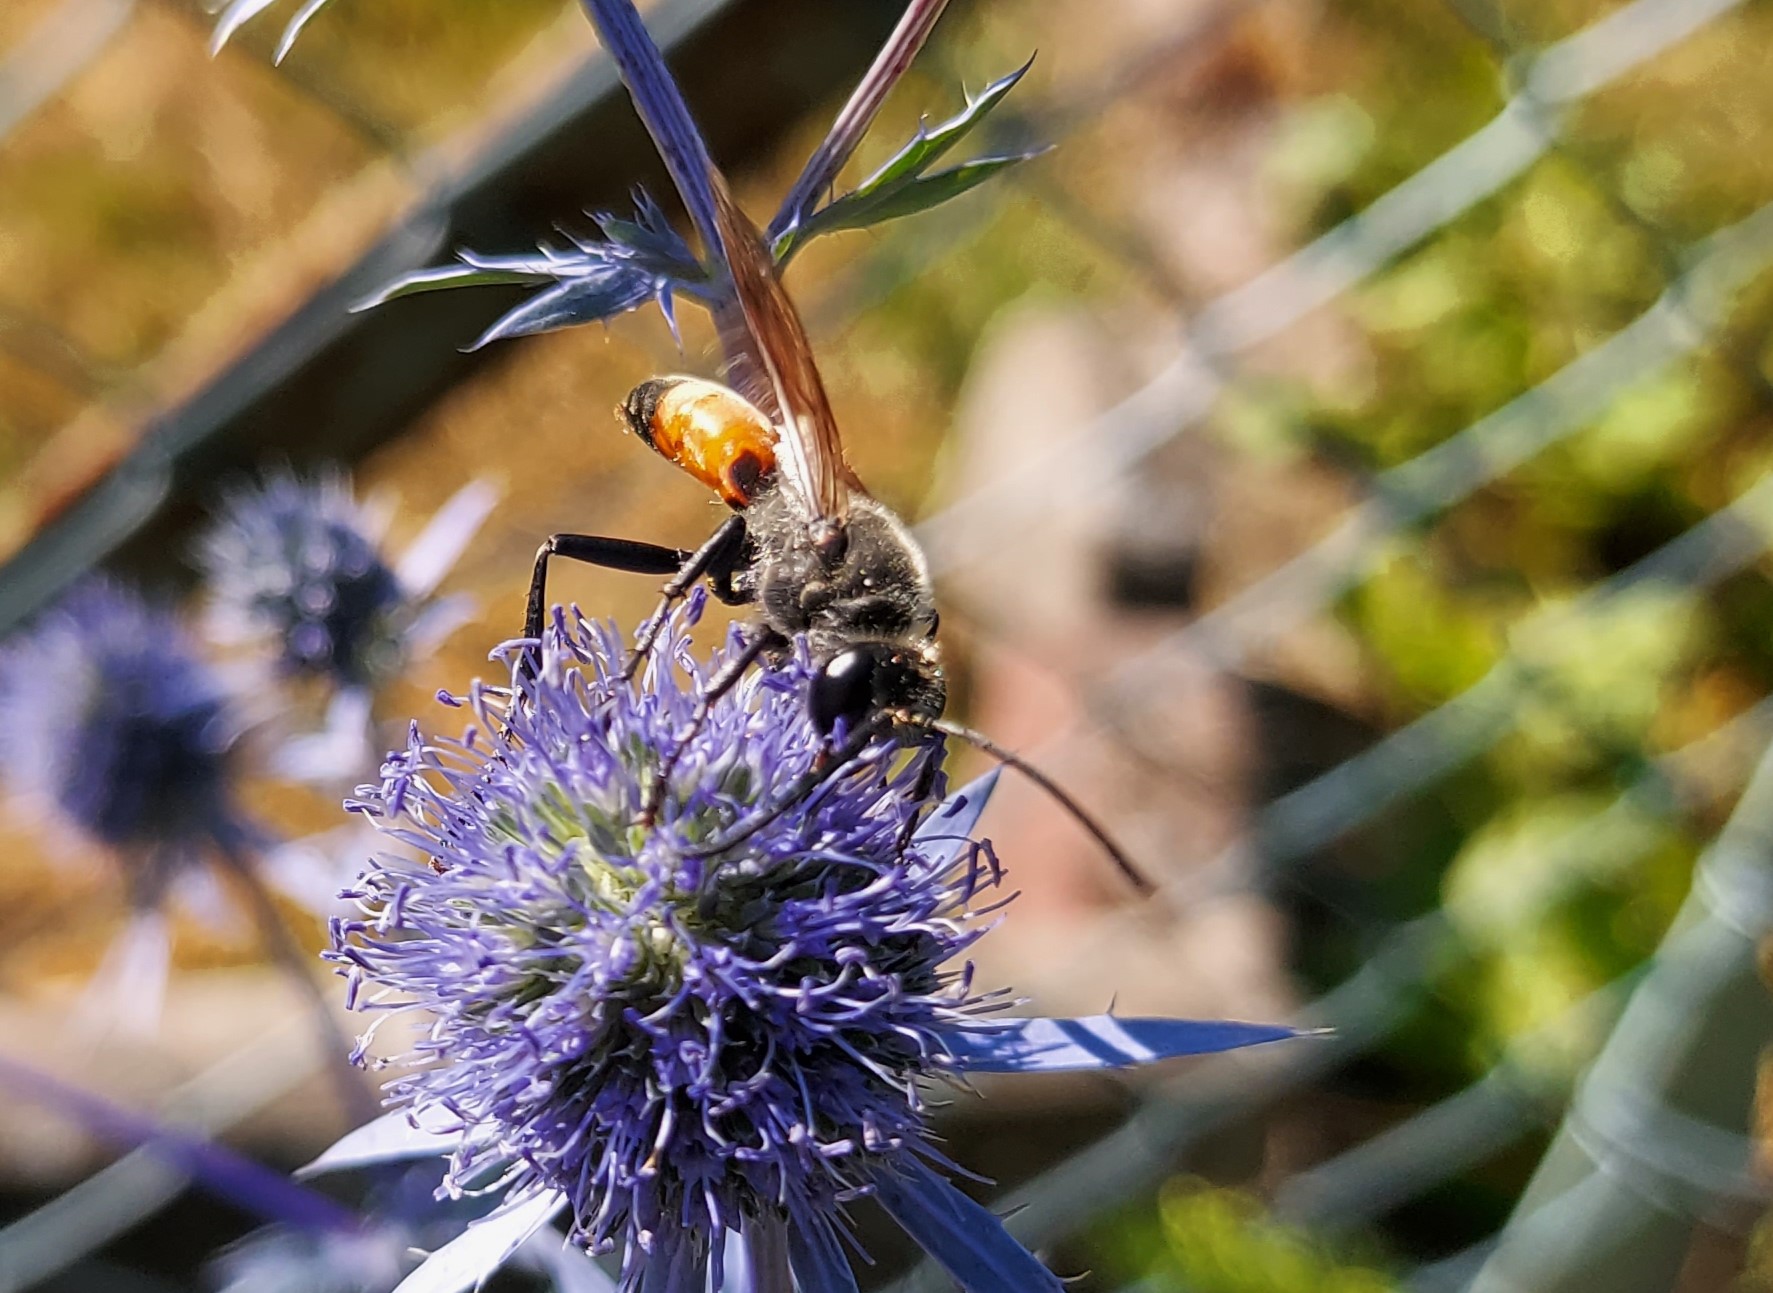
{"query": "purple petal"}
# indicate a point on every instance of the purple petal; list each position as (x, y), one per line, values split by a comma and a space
(676, 1267)
(952, 824)
(428, 558)
(968, 1240)
(1101, 1042)
(817, 1258)
(389, 1139)
(756, 1260)
(574, 301)
(294, 28)
(249, 1186)
(851, 124)
(661, 107)
(483, 1247)
(571, 1270)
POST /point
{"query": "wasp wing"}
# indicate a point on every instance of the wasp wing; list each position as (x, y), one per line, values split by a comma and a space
(810, 452)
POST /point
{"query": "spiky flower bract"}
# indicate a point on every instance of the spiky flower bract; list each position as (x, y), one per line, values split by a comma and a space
(642, 259)
(116, 724)
(681, 1044)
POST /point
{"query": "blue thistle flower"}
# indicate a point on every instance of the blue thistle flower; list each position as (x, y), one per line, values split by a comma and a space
(122, 735)
(299, 565)
(680, 1045)
(124, 732)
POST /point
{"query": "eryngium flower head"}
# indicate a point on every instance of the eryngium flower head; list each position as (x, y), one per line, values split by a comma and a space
(679, 1043)
(114, 721)
(298, 564)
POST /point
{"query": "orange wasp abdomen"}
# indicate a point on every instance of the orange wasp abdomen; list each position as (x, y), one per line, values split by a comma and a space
(712, 433)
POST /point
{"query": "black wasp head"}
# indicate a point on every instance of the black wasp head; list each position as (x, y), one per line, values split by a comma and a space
(642, 405)
(869, 677)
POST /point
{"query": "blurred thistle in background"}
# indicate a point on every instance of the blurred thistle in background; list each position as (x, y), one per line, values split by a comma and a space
(125, 735)
(296, 570)
(125, 732)
(120, 732)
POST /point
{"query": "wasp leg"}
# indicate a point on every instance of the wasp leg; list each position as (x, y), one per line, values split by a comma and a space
(612, 554)
(803, 789)
(718, 558)
(925, 787)
(763, 639)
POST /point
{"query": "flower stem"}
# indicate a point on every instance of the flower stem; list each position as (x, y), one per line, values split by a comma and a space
(661, 107)
(820, 171)
(355, 1099)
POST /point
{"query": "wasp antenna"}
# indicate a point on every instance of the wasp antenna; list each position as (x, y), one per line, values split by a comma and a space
(1010, 759)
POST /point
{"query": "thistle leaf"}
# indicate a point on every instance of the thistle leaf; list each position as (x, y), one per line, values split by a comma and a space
(1102, 1042)
(856, 211)
(638, 260)
(904, 185)
(927, 146)
(446, 276)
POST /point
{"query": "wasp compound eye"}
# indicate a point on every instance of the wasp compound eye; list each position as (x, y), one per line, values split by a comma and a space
(844, 689)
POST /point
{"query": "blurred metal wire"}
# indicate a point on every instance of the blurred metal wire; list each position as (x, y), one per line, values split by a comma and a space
(1179, 396)
(1660, 1134)
(1361, 1012)
(73, 1225)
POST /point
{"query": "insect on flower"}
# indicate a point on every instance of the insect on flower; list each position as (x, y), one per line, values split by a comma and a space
(821, 559)
(692, 1053)
(807, 545)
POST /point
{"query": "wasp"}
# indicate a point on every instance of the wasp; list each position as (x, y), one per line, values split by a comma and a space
(807, 545)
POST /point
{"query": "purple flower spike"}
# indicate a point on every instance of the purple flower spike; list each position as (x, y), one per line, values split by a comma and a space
(678, 1048)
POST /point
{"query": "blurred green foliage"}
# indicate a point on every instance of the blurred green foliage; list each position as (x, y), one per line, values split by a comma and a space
(1198, 1239)
(1491, 305)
